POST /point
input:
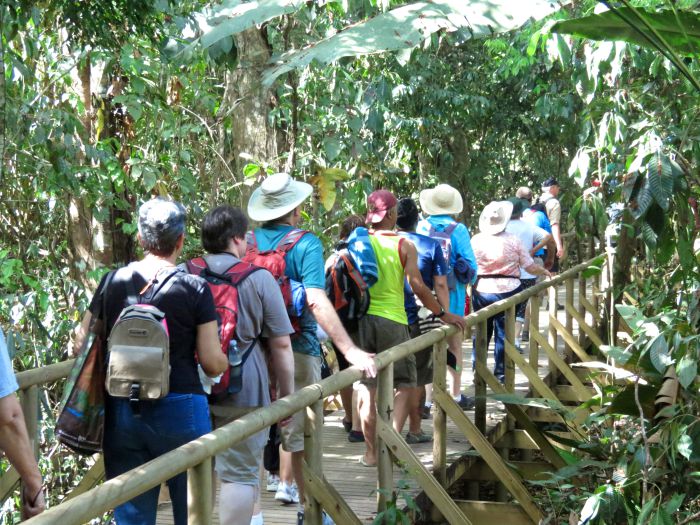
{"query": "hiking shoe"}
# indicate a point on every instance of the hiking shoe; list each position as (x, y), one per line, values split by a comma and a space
(356, 436)
(273, 481)
(257, 519)
(466, 402)
(287, 494)
(425, 412)
(420, 437)
(325, 518)
(525, 335)
(347, 425)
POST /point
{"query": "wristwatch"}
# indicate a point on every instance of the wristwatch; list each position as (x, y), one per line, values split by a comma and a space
(440, 313)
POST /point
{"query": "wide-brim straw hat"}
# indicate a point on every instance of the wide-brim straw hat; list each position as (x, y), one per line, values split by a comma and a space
(443, 199)
(495, 217)
(277, 196)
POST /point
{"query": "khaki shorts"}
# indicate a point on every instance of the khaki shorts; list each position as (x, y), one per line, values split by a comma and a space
(307, 371)
(424, 359)
(378, 334)
(241, 462)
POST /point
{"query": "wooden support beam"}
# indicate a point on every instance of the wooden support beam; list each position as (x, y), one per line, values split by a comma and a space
(439, 417)
(536, 383)
(589, 331)
(511, 481)
(199, 493)
(385, 409)
(487, 511)
(545, 415)
(313, 458)
(569, 394)
(521, 440)
(429, 484)
(8, 483)
(549, 452)
(570, 375)
(481, 353)
(570, 340)
(329, 498)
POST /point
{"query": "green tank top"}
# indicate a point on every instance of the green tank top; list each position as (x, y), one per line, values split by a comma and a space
(386, 295)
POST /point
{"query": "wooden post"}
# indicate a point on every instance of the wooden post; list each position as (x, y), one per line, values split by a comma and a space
(385, 409)
(481, 353)
(439, 417)
(199, 494)
(313, 455)
(30, 408)
(582, 297)
(552, 304)
(509, 383)
(569, 300)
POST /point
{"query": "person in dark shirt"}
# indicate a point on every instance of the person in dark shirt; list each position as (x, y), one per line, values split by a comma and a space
(433, 270)
(162, 425)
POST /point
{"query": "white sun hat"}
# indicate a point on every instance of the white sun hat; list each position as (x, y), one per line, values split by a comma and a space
(495, 217)
(276, 196)
(443, 199)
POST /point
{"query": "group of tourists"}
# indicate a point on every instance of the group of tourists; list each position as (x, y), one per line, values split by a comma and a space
(274, 277)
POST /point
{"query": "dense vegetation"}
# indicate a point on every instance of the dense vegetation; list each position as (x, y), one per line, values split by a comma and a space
(102, 108)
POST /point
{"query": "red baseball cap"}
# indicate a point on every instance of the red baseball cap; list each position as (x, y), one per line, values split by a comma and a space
(378, 203)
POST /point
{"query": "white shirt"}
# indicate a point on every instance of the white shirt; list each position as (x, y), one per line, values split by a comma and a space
(529, 236)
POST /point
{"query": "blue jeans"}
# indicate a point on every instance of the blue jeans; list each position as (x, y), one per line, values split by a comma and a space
(131, 440)
(494, 323)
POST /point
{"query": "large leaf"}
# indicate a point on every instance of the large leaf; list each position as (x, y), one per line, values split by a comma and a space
(609, 26)
(660, 177)
(407, 26)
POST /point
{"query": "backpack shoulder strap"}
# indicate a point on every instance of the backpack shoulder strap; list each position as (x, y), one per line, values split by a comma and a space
(196, 266)
(237, 273)
(164, 285)
(291, 239)
(251, 241)
(450, 228)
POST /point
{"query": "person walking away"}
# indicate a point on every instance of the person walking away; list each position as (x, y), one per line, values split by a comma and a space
(500, 256)
(533, 240)
(433, 270)
(130, 438)
(276, 203)
(14, 440)
(549, 197)
(386, 325)
(439, 204)
(351, 419)
(261, 316)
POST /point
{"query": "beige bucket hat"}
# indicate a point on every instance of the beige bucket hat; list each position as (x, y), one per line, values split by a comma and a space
(276, 196)
(495, 217)
(443, 199)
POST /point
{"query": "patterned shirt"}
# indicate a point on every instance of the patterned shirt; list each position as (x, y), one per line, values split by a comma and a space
(501, 254)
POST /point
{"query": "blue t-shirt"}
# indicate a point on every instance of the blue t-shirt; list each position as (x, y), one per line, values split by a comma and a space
(539, 219)
(8, 383)
(461, 246)
(431, 262)
(304, 264)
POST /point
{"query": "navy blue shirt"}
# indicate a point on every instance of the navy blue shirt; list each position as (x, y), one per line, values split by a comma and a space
(431, 262)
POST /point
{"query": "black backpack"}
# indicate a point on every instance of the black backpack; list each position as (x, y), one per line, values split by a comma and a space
(346, 289)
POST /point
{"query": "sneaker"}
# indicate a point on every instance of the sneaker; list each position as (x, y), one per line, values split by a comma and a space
(273, 481)
(425, 412)
(356, 436)
(526, 335)
(347, 425)
(257, 519)
(287, 494)
(325, 518)
(466, 402)
(420, 437)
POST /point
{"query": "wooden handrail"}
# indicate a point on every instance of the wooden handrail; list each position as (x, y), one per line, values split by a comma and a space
(130, 484)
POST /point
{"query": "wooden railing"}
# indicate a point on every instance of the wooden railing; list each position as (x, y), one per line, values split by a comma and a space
(196, 456)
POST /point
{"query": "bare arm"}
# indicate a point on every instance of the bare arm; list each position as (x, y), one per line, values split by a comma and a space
(415, 281)
(326, 316)
(536, 269)
(441, 290)
(15, 442)
(282, 363)
(556, 233)
(544, 242)
(212, 359)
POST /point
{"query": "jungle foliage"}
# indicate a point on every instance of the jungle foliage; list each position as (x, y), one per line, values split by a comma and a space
(103, 108)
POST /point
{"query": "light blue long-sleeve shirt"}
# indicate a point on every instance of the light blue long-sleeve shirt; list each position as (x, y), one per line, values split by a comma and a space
(461, 246)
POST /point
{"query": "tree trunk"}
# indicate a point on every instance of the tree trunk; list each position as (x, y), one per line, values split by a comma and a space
(248, 103)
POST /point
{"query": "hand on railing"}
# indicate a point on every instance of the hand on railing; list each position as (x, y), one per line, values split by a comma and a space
(363, 360)
(33, 501)
(457, 320)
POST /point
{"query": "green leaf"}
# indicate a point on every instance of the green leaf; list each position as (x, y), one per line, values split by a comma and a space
(686, 369)
(632, 316)
(658, 353)
(674, 503)
(332, 146)
(624, 402)
(645, 513)
(610, 26)
(251, 170)
(409, 25)
(660, 180)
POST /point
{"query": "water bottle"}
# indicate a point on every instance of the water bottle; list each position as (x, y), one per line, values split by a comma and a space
(235, 361)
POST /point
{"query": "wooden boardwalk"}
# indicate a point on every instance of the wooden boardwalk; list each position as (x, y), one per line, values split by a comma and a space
(357, 483)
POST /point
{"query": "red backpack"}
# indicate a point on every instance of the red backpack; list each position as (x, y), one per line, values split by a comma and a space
(224, 288)
(274, 262)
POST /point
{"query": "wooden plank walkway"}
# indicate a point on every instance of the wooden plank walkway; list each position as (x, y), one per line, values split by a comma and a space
(357, 483)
